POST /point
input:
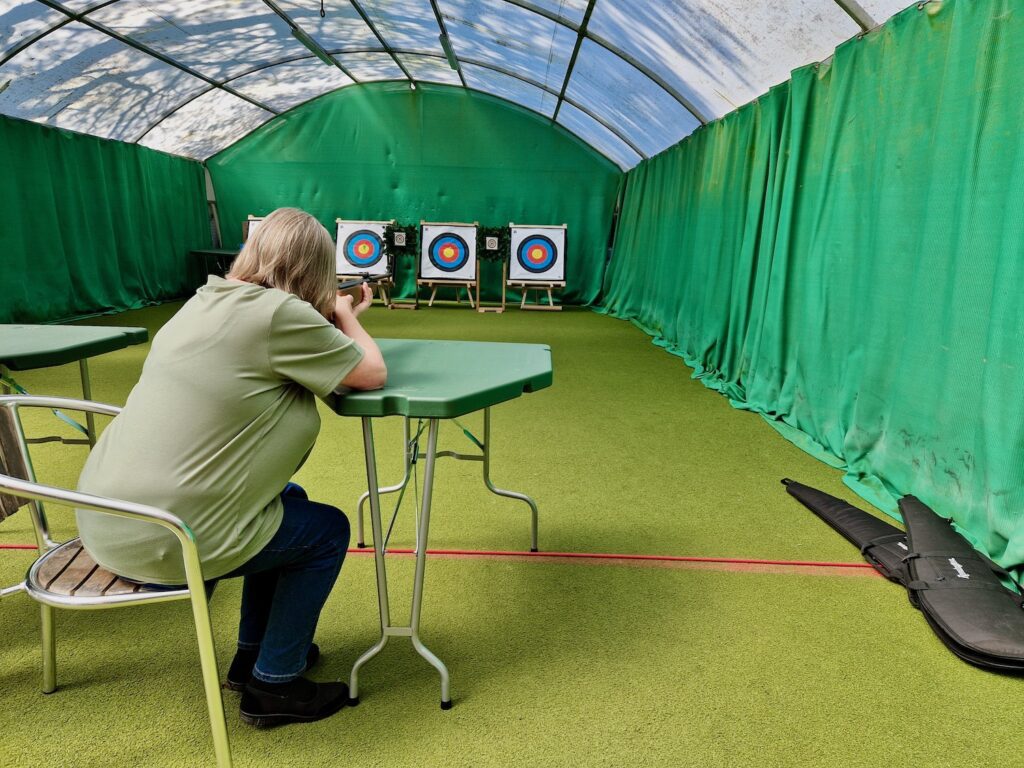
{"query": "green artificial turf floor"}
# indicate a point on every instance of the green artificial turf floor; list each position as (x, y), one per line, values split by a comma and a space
(553, 662)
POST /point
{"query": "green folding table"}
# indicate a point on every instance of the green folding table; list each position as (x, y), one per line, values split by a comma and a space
(26, 347)
(435, 380)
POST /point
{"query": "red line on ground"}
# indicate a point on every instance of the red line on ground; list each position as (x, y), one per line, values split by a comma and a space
(614, 556)
(588, 556)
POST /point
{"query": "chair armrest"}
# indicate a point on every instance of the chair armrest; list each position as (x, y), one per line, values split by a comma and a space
(70, 403)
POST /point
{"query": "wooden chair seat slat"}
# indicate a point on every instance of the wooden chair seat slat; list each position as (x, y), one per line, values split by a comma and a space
(75, 575)
(70, 571)
(122, 587)
(99, 581)
(56, 561)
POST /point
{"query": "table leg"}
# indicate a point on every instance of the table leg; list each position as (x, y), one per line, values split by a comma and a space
(500, 491)
(378, 556)
(361, 538)
(422, 533)
(90, 418)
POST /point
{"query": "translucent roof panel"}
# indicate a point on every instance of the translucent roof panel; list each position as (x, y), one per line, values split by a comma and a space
(367, 67)
(625, 97)
(284, 86)
(881, 10)
(720, 54)
(81, 79)
(79, 5)
(218, 38)
(647, 73)
(21, 19)
(570, 10)
(407, 25)
(341, 29)
(499, 33)
(430, 69)
(206, 125)
(507, 87)
(597, 136)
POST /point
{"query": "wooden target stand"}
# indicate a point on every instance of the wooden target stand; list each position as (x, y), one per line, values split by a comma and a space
(540, 286)
(458, 285)
(436, 283)
(526, 287)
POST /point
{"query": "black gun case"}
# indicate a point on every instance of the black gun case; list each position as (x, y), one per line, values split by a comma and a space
(959, 590)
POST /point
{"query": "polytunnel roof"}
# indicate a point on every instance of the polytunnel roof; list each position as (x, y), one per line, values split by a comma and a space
(190, 77)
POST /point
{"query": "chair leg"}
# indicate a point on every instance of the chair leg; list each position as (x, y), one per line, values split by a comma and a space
(211, 680)
(49, 638)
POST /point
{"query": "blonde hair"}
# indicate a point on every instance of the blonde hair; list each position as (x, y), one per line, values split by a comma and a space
(291, 251)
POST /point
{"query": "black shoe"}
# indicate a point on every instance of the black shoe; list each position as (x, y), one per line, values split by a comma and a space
(240, 670)
(299, 701)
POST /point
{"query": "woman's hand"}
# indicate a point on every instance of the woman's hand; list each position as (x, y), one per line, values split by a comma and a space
(346, 303)
(365, 300)
(342, 308)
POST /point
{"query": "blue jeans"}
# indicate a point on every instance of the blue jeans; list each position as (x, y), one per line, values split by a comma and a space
(287, 583)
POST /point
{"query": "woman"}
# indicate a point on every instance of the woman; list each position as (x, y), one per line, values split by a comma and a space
(222, 416)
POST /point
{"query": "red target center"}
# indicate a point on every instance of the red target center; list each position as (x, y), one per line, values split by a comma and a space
(449, 253)
(537, 254)
(363, 248)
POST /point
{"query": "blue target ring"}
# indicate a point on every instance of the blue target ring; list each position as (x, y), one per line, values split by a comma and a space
(448, 252)
(536, 254)
(363, 249)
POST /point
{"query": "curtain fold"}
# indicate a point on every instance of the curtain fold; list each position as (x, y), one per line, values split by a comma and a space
(91, 225)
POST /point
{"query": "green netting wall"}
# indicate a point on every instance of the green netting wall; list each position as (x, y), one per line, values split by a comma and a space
(846, 257)
(89, 225)
(381, 151)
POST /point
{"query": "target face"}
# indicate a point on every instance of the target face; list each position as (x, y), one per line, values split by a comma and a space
(361, 248)
(537, 254)
(448, 252)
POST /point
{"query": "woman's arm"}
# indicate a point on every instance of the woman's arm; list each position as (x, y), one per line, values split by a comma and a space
(371, 372)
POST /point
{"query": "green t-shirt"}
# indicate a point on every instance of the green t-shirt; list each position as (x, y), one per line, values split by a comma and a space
(222, 417)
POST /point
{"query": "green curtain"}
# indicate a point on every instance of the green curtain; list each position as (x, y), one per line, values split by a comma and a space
(845, 255)
(91, 225)
(381, 151)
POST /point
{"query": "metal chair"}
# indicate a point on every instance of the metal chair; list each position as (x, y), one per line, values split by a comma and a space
(65, 576)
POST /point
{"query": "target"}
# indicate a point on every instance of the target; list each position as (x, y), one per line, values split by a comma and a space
(448, 252)
(361, 249)
(537, 254)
